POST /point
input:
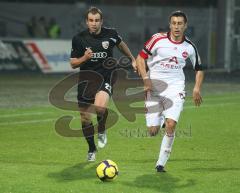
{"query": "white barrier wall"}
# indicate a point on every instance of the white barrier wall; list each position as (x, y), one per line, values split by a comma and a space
(14, 55)
(52, 56)
(48, 56)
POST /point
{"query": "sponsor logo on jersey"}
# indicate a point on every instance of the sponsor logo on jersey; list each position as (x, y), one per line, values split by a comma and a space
(170, 66)
(182, 95)
(105, 44)
(185, 55)
(97, 55)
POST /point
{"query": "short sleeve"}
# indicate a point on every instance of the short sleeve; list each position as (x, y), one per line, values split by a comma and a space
(196, 60)
(149, 46)
(77, 48)
(117, 37)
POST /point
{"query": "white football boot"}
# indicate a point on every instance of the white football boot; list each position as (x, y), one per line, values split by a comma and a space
(91, 156)
(102, 139)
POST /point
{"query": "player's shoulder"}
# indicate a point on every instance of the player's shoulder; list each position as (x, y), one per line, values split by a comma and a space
(109, 30)
(83, 32)
(158, 36)
(155, 38)
(190, 45)
(80, 34)
(189, 41)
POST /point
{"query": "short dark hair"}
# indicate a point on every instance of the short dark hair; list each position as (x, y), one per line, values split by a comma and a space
(93, 10)
(178, 14)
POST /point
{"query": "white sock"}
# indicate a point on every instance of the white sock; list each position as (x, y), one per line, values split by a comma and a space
(165, 149)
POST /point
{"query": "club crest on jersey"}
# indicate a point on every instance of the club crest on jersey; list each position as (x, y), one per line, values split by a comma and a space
(105, 44)
(185, 55)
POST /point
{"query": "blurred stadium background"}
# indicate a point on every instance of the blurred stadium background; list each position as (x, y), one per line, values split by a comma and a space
(214, 26)
(30, 50)
(33, 60)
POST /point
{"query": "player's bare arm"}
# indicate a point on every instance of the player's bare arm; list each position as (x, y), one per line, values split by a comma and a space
(197, 88)
(141, 66)
(126, 51)
(76, 62)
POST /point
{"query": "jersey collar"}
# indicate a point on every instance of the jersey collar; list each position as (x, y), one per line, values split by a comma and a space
(96, 35)
(174, 42)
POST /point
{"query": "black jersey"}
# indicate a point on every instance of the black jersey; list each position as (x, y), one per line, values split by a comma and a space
(102, 46)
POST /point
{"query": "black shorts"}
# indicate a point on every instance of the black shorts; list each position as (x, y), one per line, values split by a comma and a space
(89, 85)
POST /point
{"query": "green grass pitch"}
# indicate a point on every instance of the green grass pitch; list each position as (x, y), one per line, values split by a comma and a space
(35, 159)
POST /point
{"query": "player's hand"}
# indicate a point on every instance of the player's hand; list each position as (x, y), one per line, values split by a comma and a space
(197, 97)
(88, 54)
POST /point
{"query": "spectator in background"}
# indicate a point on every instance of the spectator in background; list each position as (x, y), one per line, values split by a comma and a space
(40, 30)
(54, 30)
(31, 25)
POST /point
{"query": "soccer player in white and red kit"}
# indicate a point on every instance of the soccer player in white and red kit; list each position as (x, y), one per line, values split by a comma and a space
(165, 55)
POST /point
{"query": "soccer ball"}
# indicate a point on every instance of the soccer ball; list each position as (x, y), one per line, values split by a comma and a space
(107, 170)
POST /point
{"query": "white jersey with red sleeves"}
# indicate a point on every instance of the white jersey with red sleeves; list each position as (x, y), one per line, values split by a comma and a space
(166, 58)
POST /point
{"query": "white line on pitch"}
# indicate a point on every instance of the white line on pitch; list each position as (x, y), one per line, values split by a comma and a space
(207, 106)
(48, 120)
(26, 122)
(25, 114)
(30, 121)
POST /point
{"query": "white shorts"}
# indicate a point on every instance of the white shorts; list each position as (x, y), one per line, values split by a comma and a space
(168, 104)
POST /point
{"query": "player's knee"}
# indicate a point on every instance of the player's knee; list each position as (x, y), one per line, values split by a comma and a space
(100, 110)
(85, 118)
(153, 131)
(170, 126)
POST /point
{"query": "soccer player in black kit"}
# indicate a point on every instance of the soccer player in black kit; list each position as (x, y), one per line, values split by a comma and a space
(90, 49)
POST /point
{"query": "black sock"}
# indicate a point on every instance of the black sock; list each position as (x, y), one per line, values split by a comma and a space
(88, 132)
(102, 118)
